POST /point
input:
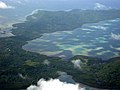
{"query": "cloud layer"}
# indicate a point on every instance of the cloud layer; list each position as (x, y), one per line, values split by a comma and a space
(99, 6)
(5, 6)
(115, 36)
(64, 77)
(54, 84)
(77, 63)
(46, 62)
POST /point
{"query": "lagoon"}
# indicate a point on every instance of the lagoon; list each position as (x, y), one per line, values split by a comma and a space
(94, 39)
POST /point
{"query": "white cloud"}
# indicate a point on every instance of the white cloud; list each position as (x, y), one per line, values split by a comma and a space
(19, 2)
(5, 6)
(115, 36)
(22, 2)
(77, 63)
(61, 73)
(46, 62)
(21, 75)
(99, 6)
(64, 77)
(54, 84)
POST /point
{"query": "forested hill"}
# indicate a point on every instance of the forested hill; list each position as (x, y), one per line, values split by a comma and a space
(51, 21)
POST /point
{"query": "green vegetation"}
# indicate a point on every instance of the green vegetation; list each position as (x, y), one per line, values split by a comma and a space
(103, 74)
(31, 63)
(109, 74)
(15, 60)
(48, 21)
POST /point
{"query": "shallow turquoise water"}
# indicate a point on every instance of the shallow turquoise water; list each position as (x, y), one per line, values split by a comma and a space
(100, 39)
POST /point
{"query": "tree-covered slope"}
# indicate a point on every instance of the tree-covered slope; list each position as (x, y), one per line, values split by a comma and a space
(99, 73)
(51, 21)
(109, 74)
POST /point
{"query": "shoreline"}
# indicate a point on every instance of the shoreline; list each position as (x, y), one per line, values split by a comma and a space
(28, 42)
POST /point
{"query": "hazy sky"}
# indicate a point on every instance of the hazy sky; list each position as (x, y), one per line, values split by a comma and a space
(18, 8)
(62, 4)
